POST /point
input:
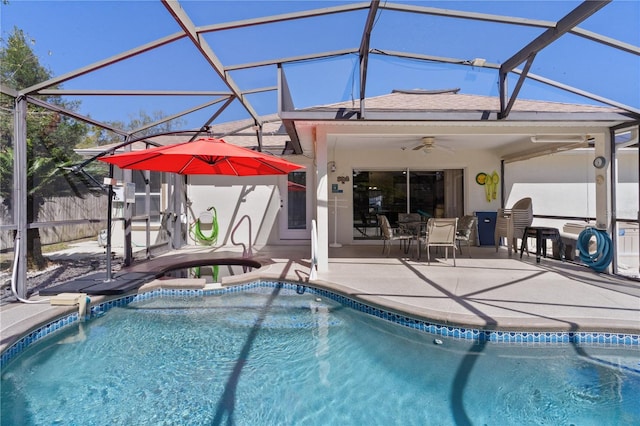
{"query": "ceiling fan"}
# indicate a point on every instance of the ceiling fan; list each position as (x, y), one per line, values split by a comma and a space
(428, 144)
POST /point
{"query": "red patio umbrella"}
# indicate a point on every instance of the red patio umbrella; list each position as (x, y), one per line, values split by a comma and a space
(208, 156)
(295, 187)
(205, 156)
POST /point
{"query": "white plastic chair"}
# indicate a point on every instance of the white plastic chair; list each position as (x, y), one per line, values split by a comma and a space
(511, 223)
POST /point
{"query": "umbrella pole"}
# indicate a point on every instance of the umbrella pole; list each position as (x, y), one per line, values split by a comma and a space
(109, 219)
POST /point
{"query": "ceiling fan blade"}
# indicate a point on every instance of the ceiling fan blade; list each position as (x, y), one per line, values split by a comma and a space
(445, 149)
(415, 148)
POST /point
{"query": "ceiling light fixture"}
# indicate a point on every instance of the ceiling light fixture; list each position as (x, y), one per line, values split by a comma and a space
(559, 138)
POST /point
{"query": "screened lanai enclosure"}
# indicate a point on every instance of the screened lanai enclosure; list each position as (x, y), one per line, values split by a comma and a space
(391, 108)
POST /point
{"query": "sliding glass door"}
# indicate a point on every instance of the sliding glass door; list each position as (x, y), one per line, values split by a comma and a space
(430, 193)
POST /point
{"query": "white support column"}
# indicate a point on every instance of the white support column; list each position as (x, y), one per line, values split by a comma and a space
(322, 197)
(603, 183)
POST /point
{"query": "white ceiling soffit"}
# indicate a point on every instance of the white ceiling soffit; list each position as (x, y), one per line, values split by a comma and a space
(502, 138)
(405, 141)
(509, 147)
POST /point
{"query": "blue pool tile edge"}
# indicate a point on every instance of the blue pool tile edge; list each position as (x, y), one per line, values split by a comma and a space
(495, 336)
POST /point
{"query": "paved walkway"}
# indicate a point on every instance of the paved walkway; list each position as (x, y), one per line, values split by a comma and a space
(489, 290)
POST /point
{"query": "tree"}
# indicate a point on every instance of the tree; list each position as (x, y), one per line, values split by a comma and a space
(51, 138)
(100, 137)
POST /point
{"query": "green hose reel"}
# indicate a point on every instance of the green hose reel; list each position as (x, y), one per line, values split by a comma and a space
(196, 229)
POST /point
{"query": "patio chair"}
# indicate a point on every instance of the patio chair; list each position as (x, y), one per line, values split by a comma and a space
(511, 223)
(390, 234)
(410, 223)
(466, 225)
(441, 232)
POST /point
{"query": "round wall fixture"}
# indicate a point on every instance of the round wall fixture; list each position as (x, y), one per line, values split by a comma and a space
(599, 162)
(481, 178)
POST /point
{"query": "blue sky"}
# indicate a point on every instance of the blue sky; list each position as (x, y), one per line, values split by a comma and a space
(68, 35)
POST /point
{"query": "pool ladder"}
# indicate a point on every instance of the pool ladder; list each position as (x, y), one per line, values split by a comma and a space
(246, 251)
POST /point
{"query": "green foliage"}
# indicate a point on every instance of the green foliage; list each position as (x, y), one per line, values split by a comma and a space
(51, 137)
(19, 66)
(143, 119)
(100, 137)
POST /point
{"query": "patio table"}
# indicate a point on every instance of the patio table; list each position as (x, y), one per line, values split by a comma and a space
(418, 229)
(541, 234)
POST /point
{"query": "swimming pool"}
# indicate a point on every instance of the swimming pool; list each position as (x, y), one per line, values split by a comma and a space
(268, 355)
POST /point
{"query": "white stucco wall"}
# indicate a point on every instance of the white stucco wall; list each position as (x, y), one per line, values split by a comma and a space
(555, 183)
(257, 198)
(560, 185)
(563, 184)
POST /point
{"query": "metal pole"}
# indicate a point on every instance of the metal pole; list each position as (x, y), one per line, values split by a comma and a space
(128, 212)
(20, 192)
(109, 218)
(502, 188)
(147, 212)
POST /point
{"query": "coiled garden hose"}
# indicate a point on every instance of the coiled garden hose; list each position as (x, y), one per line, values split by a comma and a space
(600, 259)
(199, 236)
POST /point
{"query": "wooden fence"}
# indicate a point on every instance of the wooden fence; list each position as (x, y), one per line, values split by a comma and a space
(90, 212)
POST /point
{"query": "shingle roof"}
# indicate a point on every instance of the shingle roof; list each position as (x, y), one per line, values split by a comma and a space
(274, 136)
(241, 132)
(416, 101)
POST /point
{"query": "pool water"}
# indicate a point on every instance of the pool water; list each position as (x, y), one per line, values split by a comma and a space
(270, 356)
(210, 273)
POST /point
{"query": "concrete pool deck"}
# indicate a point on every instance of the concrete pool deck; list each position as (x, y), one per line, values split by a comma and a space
(489, 291)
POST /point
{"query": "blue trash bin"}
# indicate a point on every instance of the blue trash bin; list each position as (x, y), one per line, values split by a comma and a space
(487, 227)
